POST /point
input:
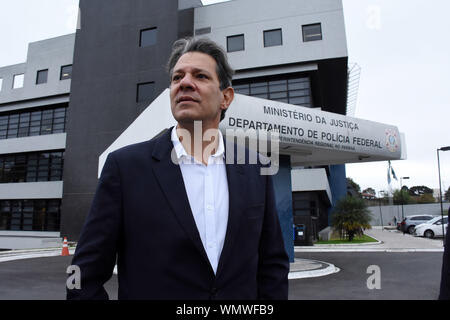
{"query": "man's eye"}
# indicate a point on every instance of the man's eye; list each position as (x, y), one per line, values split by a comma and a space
(176, 78)
(202, 76)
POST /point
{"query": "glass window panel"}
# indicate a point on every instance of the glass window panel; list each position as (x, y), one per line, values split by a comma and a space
(36, 123)
(36, 115)
(23, 132)
(14, 118)
(277, 87)
(297, 85)
(278, 95)
(47, 114)
(59, 128)
(59, 120)
(262, 96)
(66, 72)
(148, 37)
(18, 81)
(298, 101)
(312, 32)
(145, 92)
(46, 129)
(235, 43)
(4, 220)
(257, 88)
(41, 76)
(273, 38)
(3, 120)
(12, 133)
(299, 93)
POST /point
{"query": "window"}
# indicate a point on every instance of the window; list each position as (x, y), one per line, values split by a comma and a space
(41, 76)
(1, 84)
(148, 37)
(32, 215)
(289, 89)
(66, 72)
(31, 167)
(202, 31)
(273, 38)
(145, 92)
(33, 123)
(18, 81)
(312, 32)
(235, 43)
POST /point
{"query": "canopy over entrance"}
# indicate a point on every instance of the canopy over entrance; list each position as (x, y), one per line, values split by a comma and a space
(309, 136)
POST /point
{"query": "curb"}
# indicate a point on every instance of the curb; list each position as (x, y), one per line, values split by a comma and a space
(30, 254)
(324, 269)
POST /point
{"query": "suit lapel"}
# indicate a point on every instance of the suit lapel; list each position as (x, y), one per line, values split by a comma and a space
(171, 182)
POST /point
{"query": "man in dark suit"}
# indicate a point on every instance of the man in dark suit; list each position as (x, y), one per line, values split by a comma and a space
(445, 274)
(182, 222)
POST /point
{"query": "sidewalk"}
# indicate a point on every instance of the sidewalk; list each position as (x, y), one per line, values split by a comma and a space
(388, 241)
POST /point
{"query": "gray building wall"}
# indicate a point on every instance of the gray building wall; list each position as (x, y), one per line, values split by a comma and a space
(48, 54)
(253, 17)
(108, 65)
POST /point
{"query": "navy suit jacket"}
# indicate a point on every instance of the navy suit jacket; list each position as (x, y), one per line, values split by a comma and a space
(141, 215)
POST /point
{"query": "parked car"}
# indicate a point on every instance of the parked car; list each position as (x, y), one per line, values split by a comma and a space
(410, 222)
(432, 228)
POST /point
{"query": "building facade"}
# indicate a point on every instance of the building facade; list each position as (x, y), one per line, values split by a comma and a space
(93, 84)
(34, 99)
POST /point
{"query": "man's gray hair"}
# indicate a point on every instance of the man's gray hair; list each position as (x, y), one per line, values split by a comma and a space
(206, 46)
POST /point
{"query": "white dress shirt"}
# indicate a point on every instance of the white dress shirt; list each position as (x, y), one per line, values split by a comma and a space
(207, 191)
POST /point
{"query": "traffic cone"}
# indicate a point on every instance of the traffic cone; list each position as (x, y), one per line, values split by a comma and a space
(65, 249)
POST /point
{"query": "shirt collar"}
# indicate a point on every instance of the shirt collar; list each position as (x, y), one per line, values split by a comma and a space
(181, 152)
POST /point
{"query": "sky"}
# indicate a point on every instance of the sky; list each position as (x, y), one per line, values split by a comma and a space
(402, 49)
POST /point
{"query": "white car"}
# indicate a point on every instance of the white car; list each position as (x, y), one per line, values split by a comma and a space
(432, 228)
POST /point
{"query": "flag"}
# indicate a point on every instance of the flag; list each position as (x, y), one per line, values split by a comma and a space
(392, 170)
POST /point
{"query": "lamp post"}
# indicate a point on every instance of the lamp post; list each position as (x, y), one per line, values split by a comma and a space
(401, 192)
(440, 189)
(380, 194)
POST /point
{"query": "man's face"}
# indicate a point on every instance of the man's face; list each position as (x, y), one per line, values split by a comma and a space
(195, 90)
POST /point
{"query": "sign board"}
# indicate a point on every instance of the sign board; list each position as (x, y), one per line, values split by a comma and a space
(306, 130)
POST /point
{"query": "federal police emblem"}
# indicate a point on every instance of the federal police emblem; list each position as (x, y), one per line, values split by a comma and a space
(391, 140)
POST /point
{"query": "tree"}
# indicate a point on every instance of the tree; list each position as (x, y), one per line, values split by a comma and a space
(351, 215)
(402, 197)
(353, 188)
(447, 195)
(426, 198)
(420, 190)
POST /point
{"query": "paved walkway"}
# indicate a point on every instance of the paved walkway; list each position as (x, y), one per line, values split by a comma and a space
(388, 241)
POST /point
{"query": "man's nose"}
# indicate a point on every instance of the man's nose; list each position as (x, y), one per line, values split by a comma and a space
(187, 82)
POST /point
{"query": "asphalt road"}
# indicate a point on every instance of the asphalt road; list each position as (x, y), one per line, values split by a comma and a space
(403, 276)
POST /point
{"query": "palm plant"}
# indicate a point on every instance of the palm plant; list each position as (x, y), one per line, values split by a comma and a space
(351, 216)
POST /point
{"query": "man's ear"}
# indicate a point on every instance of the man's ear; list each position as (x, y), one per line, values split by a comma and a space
(228, 96)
